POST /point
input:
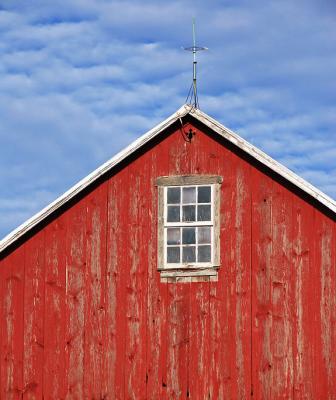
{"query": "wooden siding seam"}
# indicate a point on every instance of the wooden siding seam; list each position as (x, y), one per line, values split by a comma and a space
(44, 309)
(104, 393)
(251, 279)
(2, 267)
(190, 333)
(22, 389)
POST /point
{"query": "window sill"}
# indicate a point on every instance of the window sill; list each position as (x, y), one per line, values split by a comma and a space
(191, 275)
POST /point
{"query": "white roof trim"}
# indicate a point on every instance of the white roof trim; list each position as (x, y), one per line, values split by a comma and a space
(184, 110)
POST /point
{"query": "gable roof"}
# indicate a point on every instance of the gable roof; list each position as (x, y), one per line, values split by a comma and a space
(141, 141)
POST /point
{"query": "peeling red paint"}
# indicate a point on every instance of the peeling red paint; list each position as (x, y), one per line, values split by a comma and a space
(84, 314)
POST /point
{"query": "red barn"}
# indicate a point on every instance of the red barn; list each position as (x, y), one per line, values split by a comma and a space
(190, 265)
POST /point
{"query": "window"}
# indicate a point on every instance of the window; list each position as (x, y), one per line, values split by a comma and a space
(188, 225)
(188, 236)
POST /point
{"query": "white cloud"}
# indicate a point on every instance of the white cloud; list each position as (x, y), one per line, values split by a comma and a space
(81, 79)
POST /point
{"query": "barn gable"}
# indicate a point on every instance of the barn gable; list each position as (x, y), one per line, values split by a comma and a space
(86, 314)
(177, 117)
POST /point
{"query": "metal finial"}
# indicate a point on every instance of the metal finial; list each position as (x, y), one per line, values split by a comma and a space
(192, 95)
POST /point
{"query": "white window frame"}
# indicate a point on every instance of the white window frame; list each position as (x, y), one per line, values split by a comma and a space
(193, 224)
(189, 269)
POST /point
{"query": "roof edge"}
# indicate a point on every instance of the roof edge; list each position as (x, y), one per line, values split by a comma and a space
(265, 159)
(89, 179)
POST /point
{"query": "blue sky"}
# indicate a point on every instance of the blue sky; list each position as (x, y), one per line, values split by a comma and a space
(81, 79)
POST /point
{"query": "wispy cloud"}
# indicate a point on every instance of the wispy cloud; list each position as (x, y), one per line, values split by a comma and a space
(79, 80)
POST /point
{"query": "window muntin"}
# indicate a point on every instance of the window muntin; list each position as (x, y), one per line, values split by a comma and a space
(188, 226)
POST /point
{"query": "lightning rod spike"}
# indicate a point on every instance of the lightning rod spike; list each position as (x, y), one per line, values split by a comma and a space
(192, 95)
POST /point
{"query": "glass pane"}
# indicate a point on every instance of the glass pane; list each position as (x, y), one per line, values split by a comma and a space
(173, 195)
(189, 213)
(189, 254)
(204, 194)
(204, 235)
(173, 236)
(204, 253)
(189, 195)
(173, 214)
(188, 236)
(204, 213)
(173, 254)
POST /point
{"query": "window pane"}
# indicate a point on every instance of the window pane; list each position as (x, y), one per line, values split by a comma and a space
(173, 214)
(188, 254)
(204, 235)
(204, 253)
(189, 195)
(189, 213)
(173, 254)
(173, 236)
(188, 236)
(173, 195)
(204, 194)
(204, 213)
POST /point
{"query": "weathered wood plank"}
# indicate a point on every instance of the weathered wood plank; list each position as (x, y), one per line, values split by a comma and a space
(136, 284)
(156, 355)
(221, 301)
(199, 341)
(262, 242)
(178, 340)
(3, 266)
(303, 299)
(116, 288)
(54, 371)
(197, 179)
(12, 326)
(325, 254)
(319, 371)
(241, 252)
(110, 350)
(75, 299)
(95, 291)
(34, 317)
(281, 274)
(206, 272)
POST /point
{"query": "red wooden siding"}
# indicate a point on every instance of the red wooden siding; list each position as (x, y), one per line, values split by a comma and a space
(84, 315)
